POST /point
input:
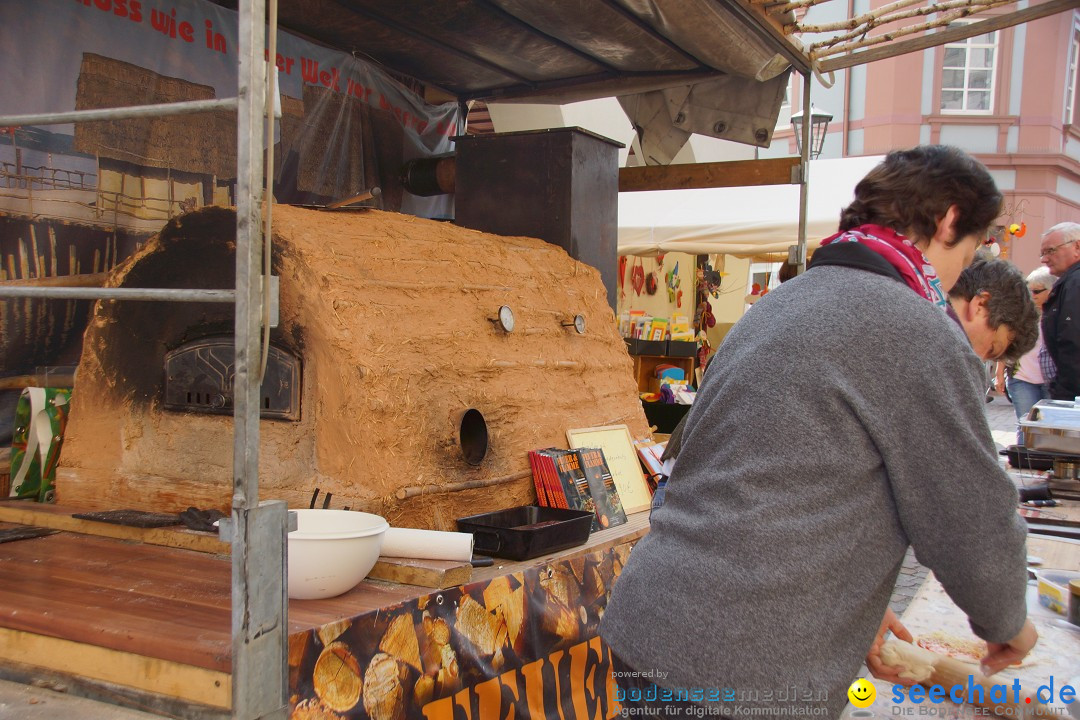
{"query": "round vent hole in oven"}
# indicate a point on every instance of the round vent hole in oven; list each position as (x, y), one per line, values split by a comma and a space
(473, 436)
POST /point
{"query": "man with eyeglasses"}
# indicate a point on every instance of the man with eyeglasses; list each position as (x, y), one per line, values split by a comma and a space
(1060, 251)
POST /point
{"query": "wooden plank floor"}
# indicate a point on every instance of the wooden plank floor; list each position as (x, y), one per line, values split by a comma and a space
(143, 599)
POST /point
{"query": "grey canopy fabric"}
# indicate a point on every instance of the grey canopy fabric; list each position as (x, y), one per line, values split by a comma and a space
(678, 66)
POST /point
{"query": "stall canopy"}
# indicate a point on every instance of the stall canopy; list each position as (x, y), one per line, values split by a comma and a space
(677, 66)
(738, 220)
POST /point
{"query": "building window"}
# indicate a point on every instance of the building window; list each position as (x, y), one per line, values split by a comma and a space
(1071, 79)
(765, 275)
(967, 74)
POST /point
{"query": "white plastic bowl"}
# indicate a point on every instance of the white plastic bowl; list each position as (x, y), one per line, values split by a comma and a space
(331, 551)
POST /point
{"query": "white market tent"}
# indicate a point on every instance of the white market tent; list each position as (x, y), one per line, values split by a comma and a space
(739, 220)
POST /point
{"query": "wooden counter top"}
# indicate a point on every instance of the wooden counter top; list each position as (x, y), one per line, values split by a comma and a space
(173, 603)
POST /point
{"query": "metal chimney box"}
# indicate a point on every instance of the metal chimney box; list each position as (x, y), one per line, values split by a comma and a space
(559, 185)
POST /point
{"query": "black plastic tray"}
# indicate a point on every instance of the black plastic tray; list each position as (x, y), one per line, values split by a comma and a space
(527, 531)
(1022, 458)
(682, 348)
(637, 346)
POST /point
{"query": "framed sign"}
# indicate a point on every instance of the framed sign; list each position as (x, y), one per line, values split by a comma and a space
(622, 461)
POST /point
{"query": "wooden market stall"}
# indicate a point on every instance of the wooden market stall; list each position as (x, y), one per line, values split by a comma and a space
(161, 618)
(184, 638)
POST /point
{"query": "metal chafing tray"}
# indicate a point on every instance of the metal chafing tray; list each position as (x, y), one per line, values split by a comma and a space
(1052, 426)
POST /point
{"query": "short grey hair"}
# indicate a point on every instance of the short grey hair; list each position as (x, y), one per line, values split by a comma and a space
(1069, 230)
(1041, 277)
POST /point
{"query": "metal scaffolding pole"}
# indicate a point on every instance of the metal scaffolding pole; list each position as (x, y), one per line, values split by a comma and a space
(120, 113)
(804, 177)
(258, 531)
(82, 293)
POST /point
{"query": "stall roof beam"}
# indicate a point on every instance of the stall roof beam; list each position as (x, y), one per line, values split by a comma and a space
(592, 86)
(734, 173)
(948, 35)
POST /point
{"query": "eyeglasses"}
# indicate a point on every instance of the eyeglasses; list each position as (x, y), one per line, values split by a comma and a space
(1051, 250)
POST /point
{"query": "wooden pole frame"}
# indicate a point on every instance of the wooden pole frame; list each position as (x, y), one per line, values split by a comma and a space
(734, 173)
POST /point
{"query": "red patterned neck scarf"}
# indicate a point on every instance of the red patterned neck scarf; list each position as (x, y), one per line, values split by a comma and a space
(899, 252)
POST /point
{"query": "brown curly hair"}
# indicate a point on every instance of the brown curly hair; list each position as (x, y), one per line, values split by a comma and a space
(911, 190)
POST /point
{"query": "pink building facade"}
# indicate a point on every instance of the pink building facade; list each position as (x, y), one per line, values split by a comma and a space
(1008, 97)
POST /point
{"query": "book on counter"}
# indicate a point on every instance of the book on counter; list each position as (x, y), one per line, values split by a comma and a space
(651, 455)
(545, 478)
(609, 509)
(538, 480)
(577, 480)
(573, 486)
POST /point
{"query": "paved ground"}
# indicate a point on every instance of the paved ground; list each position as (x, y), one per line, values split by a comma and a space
(21, 702)
(1002, 419)
(24, 702)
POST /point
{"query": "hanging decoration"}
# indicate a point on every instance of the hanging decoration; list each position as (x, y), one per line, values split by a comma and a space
(637, 276)
(1001, 236)
(707, 287)
(622, 277)
(704, 352)
(652, 281)
(673, 282)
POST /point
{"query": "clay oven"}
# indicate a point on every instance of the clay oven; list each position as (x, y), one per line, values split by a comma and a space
(392, 385)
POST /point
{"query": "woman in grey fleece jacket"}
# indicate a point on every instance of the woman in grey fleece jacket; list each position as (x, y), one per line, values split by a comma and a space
(840, 422)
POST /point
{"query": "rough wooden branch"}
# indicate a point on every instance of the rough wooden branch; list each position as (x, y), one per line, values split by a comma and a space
(972, 6)
(922, 27)
(886, 37)
(859, 20)
(956, 33)
(863, 24)
(83, 280)
(414, 490)
(783, 7)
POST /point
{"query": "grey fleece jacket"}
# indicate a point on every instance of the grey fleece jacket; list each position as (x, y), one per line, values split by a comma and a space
(840, 421)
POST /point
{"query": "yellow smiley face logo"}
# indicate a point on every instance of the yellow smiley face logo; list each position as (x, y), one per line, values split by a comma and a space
(861, 693)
